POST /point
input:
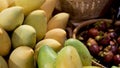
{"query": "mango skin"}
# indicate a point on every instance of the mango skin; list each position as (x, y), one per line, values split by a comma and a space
(24, 35)
(57, 34)
(29, 5)
(22, 57)
(11, 18)
(47, 57)
(5, 43)
(55, 45)
(68, 57)
(11, 3)
(38, 20)
(3, 4)
(3, 63)
(48, 7)
(60, 20)
(91, 67)
(83, 52)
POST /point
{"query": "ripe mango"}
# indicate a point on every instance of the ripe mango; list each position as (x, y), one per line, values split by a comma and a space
(91, 67)
(57, 34)
(29, 5)
(38, 20)
(3, 63)
(11, 18)
(68, 57)
(3, 4)
(24, 35)
(48, 7)
(22, 57)
(83, 52)
(11, 3)
(55, 45)
(46, 57)
(5, 43)
(60, 20)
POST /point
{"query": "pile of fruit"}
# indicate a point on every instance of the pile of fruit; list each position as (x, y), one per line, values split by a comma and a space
(103, 42)
(34, 35)
(31, 37)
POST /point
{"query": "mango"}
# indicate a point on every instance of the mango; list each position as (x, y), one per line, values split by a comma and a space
(24, 35)
(38, 20)
(83, 52)
(46, 57)
(91, 67)
(11, 3)
(60, 20)
(48, 7)
(11, 18)
(114, 66)
(3, 63)
(22, 57)
(57, 34)
(5, 43)
(29, 5)
(55, 45)
(3, 4)
(68, 57)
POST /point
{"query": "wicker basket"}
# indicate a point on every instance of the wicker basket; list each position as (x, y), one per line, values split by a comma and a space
(85, 9)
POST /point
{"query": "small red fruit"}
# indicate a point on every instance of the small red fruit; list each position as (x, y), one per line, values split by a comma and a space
(108, 57)
(93, 32)
(116, 59)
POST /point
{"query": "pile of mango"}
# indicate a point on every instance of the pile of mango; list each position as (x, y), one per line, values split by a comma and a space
(30, 37)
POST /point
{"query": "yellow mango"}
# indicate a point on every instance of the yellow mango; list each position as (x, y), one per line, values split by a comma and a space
(29, 5)
(68, 57)
(3, 63)
(60, 20)
(5, 43)
(11, 3)
(48, 7)
(38, 20)
(22, 57)
(91, 67)
(11, 18)
(3, 4)
(57, 34)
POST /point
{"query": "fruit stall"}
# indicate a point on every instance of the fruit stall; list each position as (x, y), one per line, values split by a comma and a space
(59, 33)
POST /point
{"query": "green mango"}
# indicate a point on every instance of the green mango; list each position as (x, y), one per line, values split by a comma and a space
(11, 18)
(38, 20)
(24, 35)
(54, 44)
(46, 57)
(68, 57)
(84, 53)
(115, 67)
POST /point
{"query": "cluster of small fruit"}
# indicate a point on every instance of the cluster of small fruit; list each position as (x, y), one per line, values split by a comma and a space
(103, 42)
